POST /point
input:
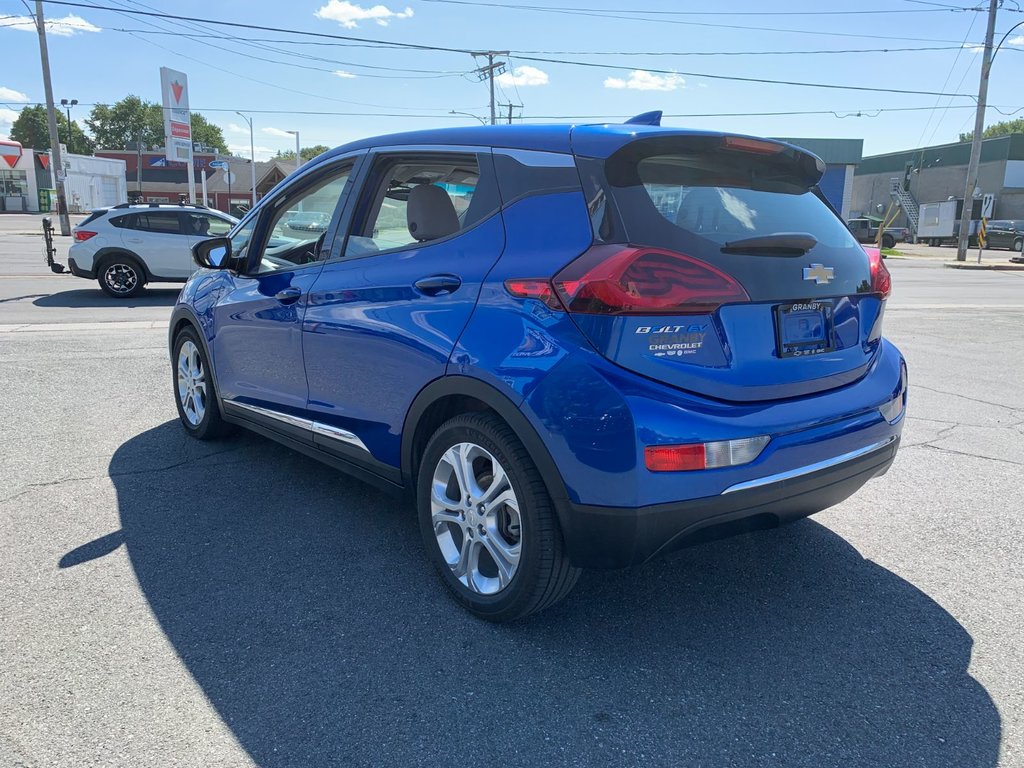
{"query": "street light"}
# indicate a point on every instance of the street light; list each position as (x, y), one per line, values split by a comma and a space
(298, 157)
(252, 156)
(468, 114)
(68, 105)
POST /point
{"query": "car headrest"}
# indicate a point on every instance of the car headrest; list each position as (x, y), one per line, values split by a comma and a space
(430, 213)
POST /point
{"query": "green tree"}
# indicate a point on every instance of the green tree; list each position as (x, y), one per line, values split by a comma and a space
(998, 129)
(122, 124)
(32, 130)
(308, 153)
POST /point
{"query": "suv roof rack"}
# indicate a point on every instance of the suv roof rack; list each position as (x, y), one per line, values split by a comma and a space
(646, 118)
(161, 205)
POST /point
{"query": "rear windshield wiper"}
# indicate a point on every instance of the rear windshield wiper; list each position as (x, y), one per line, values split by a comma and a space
(779, 244)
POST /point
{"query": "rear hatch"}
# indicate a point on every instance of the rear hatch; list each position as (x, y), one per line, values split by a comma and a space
(718, 268)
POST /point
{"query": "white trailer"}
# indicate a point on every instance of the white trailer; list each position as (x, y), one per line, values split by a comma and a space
(939, 223)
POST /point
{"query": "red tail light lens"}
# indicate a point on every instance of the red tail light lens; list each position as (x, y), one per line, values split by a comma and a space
(881, 280)
(534, 288)
(622, 280)
(81, 235)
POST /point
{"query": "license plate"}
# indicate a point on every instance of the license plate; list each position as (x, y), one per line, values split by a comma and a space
(804, 328)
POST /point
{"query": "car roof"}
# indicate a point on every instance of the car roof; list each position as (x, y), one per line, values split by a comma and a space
(588, 140)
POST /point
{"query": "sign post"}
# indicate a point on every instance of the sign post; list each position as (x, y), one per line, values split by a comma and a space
(178, 123)
(988, 204)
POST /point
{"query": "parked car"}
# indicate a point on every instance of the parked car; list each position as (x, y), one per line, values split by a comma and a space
(1003, 233)
(866, 231)
(576, 372)
(126, 246)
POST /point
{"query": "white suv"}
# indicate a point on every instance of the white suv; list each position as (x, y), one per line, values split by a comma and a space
(127, 246)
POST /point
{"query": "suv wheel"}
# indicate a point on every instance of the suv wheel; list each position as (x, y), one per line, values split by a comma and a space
(121, 277)
(488, 522)
(193, 388)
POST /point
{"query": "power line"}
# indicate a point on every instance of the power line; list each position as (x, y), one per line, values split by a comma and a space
(941, 9)
(419, 46)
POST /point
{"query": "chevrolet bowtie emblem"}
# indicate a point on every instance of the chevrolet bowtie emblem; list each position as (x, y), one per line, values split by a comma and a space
(819, 273)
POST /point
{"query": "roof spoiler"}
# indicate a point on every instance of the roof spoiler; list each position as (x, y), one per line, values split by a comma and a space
(647, 118)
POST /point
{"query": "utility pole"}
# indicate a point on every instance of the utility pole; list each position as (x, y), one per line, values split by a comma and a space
(489, 71)
(51, 119)
(979, 128)
(510, 108)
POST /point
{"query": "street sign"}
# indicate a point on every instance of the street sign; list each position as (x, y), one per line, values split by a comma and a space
(230, 178)
(988, 204)
(218, 163)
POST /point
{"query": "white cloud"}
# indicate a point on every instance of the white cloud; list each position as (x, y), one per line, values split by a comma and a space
(7, 117)
(973, 47)
(1018, 40)
(640, 80)
(349, 14)
(65, 26)
(9, 94)
(271, 131)
(236, 128)
(343, 74)
(242, 150)
(523, 76)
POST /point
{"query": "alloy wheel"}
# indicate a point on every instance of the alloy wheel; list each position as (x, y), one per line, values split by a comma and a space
(191, 383)
(476, 520)
(121, 278)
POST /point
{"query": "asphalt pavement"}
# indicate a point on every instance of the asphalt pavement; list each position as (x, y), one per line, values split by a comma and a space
(175, 603)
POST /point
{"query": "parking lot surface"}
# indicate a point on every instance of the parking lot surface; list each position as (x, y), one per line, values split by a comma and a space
(169, 602)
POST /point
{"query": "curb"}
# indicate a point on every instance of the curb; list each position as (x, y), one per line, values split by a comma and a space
(1001, 267)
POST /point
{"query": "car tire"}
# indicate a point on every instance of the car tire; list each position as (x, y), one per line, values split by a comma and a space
(888, 241)
(511, 519)
(194, 393)
(121, 276)
(1018, 245)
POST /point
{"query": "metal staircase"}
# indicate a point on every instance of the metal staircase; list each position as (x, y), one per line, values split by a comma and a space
(906, 202)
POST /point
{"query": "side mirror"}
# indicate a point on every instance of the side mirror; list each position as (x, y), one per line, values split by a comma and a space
(214, 253)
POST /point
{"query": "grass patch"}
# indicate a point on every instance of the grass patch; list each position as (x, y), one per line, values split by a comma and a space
(891, 252)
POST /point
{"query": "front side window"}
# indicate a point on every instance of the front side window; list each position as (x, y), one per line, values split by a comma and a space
(205, 225)
(417, 200)
(299, 222)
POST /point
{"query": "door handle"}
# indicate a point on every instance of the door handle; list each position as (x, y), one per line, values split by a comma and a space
(134, 239)
(288, 295)
(438, 285)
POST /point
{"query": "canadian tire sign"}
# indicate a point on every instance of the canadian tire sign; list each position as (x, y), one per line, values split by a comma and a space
(177, 119)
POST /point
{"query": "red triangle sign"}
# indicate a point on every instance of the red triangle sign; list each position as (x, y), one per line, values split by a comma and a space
(177, 88)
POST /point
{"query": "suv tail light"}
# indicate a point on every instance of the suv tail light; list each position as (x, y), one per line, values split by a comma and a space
(881, 280)
(631, 280)
(695, 456)
(81, 235)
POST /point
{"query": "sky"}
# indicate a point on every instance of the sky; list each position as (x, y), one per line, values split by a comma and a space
(570, 61)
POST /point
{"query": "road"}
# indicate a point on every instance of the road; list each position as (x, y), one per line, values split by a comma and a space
(170, 602)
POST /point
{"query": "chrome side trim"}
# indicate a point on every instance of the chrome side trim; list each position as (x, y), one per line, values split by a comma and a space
(341, 435)
(285, 418)
(316, 427)
(806, 470)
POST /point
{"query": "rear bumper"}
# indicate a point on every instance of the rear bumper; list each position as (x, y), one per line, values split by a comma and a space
(613, 537)
(77, 271)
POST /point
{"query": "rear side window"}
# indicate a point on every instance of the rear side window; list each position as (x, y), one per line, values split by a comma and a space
(165, 222)
(419, 199)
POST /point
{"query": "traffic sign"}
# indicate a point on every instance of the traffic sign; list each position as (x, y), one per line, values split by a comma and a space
(988, 204)
(218, 163)
(230, 178)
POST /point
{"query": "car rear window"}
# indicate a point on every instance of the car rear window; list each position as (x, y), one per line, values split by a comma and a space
(710, 193)
(91, 217)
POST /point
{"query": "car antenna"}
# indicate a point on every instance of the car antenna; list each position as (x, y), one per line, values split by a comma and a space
(646, 118)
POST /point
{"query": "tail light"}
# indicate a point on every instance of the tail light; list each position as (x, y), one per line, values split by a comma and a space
(691, 456)
(881, 280)
(630, 280)
(81, 235)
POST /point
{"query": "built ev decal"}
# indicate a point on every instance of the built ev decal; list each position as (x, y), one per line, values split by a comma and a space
(673, 340)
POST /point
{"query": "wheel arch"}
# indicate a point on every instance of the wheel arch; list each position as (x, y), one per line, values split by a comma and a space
(447, 397)
(106, 253)
(181, 318)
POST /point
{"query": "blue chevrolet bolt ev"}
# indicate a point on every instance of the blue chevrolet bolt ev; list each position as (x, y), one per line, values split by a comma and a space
(577, 346)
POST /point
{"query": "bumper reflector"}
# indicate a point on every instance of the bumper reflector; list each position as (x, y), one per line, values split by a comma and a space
(721, 453)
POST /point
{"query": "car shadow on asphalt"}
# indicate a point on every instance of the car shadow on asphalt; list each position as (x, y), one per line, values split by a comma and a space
(93, 297)
(301, 603)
